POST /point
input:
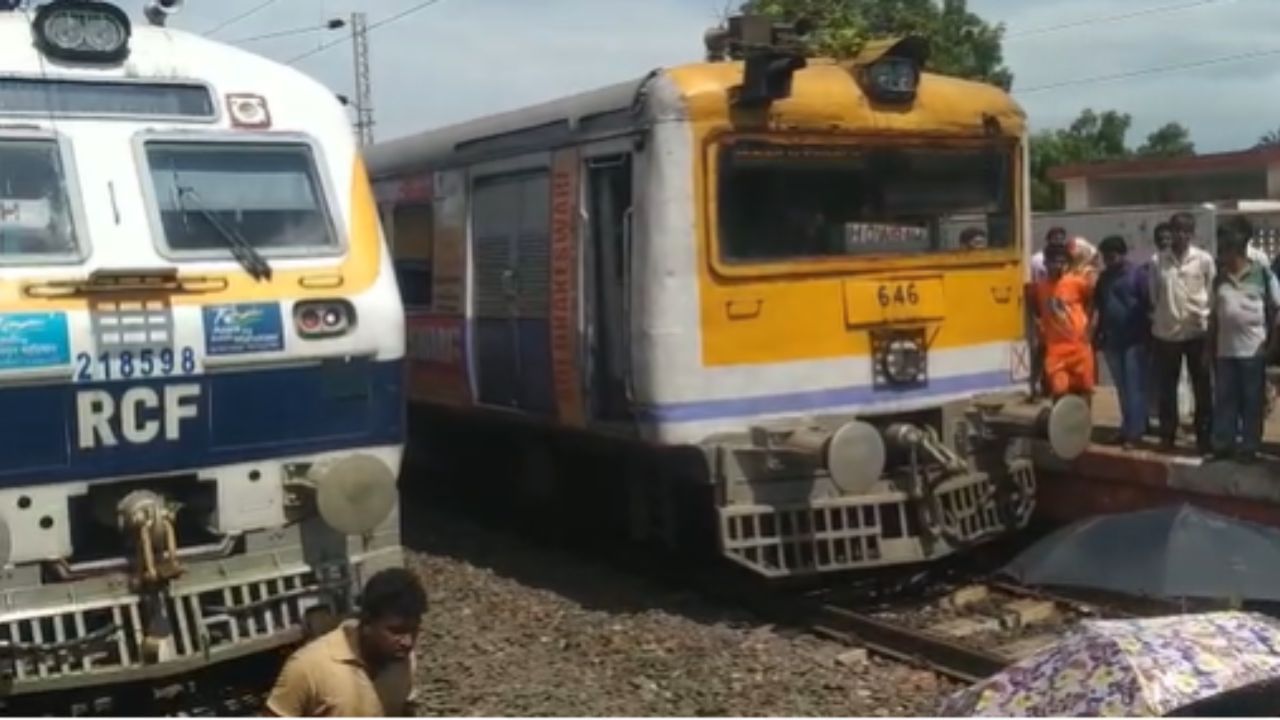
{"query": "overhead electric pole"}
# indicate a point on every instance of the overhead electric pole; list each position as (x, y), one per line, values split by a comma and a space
(364, 90)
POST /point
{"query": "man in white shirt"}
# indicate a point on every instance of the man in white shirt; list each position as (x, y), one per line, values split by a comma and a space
(1161, 237)
(1245, 297)
(1181, 283)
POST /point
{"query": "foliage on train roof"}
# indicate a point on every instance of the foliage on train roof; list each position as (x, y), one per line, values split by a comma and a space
(827, 94)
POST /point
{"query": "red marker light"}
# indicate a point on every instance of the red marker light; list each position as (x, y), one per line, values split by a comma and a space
(310, 319)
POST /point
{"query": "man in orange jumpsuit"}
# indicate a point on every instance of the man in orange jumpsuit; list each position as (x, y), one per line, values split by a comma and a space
(1062, 310)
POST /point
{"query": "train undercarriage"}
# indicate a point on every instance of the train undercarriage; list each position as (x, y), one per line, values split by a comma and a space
(784, 500)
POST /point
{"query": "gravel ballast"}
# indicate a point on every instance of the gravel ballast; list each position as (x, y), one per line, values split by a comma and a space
(517, 629)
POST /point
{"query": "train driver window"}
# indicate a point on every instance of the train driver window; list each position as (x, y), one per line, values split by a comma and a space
(269, 194)
(413, 228)
(36, 221)
(780, 202)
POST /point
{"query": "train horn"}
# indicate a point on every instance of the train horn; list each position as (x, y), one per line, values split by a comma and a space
(158, 11)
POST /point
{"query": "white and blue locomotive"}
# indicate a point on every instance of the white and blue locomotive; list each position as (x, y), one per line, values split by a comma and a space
(201, 352)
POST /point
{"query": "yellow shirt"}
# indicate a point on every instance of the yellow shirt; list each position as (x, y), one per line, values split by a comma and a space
(327, 678)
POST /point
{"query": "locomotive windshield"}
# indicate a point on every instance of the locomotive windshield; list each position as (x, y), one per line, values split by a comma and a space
(781, 202)
(36, 223)
(267, 194)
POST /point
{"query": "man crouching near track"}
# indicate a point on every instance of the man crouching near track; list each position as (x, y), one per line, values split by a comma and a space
(364, 667)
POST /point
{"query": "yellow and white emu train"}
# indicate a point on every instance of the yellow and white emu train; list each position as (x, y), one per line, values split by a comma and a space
(201, 352)
(805, 274)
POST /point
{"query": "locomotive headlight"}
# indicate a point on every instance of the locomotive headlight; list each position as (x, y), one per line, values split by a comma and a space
(82, 31)
(65, 31)
(891, 79)
(103, 35)
(903, 361)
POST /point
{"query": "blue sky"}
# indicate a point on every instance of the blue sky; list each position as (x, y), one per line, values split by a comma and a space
(462, 58)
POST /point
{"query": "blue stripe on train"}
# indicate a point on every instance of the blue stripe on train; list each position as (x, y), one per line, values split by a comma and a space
(220, 418)
(829, 399)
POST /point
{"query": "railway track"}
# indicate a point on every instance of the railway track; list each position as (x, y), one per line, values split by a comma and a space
(972, 631)
(951, 619)
(965, 628)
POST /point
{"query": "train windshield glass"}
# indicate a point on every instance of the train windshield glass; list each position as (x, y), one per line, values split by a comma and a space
(783, 202)
(36, 222)
(267, 194)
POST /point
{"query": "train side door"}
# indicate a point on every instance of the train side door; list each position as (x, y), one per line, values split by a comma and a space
(509, 229)
(495, 218)
(608, 195)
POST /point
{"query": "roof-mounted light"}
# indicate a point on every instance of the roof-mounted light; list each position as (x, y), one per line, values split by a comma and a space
(83, 31)
(892, 79)
(889, 71)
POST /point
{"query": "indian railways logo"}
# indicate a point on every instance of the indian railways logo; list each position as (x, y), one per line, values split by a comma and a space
(13, 326)
(235, 317)
(241, 329)
(138, 416)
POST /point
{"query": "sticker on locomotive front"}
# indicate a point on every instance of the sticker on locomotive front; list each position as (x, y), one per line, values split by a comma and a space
(34, 340)
(242, 329)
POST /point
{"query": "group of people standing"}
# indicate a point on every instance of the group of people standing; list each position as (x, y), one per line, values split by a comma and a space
(1149, 317)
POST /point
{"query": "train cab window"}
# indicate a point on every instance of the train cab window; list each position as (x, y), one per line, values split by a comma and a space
(780, 202)
(269, 194)
(413, 237)
(36, 220)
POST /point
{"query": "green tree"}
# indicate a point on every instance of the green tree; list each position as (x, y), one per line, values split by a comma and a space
(1095, 137)
(1091, 137)
(1269, 139)
(962, 44)
(1172, 140)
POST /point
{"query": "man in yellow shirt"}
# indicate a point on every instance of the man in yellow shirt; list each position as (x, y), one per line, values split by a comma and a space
(364, 667)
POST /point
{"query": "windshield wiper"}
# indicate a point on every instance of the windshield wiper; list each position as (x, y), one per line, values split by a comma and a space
(243, 251)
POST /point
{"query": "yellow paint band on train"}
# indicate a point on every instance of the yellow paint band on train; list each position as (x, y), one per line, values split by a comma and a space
(358, 270)
(819, 309)
(815, 319)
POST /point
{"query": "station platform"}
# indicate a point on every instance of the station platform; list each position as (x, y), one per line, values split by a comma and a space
(1108, 479)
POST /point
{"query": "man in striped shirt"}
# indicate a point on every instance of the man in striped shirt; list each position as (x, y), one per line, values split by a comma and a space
(1181, 282)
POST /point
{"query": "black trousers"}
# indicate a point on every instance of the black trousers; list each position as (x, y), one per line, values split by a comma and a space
(1168, 361)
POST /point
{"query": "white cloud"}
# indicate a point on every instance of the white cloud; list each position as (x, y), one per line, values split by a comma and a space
(462, 58)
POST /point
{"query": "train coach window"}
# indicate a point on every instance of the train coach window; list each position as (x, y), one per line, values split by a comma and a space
(779, 202)
(36, 221)
(270, 194)
(413, 229)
